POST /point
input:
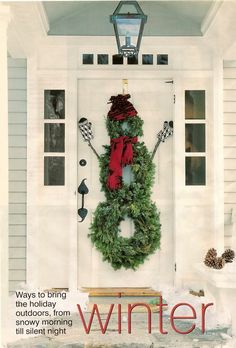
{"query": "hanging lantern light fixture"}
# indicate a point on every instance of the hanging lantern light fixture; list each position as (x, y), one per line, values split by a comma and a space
(128, 21)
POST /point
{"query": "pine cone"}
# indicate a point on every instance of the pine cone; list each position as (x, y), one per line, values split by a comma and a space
(210, 261)
(219, 263)
(211, 253)
(228, 255)
(210, 258)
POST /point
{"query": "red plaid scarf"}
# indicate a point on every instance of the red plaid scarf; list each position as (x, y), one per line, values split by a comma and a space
(121, 155)
(121, 148)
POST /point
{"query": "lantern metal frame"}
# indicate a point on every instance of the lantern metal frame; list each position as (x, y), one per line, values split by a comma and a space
(128, 50)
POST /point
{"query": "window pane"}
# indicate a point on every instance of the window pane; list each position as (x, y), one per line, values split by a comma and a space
(102, 59)
(117, 59)
(147, 59)
(195, 169)
(195, 137)
(87, 58)
(54, 171)
(195, 104)
(54, 104)
(54, 137)
(162, 59)
(132, 60)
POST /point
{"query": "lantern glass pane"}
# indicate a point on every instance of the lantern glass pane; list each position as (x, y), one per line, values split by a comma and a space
(132, 41)
(128, 26)
(128, 8)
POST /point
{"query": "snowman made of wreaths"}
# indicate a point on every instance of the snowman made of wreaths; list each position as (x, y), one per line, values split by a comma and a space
(124, 200)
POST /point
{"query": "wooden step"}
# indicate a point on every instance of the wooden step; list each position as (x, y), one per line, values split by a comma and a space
(120, 292)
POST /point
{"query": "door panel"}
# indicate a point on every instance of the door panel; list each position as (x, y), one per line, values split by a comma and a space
(153, 100)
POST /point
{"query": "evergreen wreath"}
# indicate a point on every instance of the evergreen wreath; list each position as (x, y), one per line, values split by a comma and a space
(133, 200)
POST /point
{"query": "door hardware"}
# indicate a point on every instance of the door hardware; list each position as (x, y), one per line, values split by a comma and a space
(168, 128)
(83, 162)
(83, 190)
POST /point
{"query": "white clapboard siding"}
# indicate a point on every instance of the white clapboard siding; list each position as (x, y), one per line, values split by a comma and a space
(230, 163)
(230, 186)
(17, 230)
(230, 129)
(230, 106)
(17, 106)
(17, 129)
(229, 84)
(19, 175)
(15, 208)
(228, 209)
(17, 140)
(17, 152)
(230, 197)
(17, 197)
(230, 72)
(17, 83)
(227, 220)
(17, 119)
(17, 164)
(229, 95)
(229, 152)
(17, 186)
(17, 72)
(15, 263)
(229, 147)
(229, 118)
(230, 141)
(16, 94)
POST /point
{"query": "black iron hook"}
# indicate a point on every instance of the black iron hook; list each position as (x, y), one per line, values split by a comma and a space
(83, 190)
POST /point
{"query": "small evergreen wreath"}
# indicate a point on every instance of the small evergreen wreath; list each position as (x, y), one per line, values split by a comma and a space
(131, 201)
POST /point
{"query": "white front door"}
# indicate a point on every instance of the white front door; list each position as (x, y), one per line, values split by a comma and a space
(153, 99)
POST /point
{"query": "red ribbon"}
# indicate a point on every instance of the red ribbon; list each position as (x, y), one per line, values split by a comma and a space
(121, 155)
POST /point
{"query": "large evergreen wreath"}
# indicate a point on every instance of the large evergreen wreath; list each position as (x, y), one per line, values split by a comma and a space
(131, 200)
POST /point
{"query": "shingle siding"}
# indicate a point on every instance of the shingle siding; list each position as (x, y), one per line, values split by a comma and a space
(17, 119)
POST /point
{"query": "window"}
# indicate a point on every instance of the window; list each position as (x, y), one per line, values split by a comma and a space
(105, 59)
(54, 171)
(87, 58)
(54, 104)
(54, 137)
(117, 59)
(195, 138)
(102, 59)
(147, 59)
(195, 104)
(162, 59)
(132, 60)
